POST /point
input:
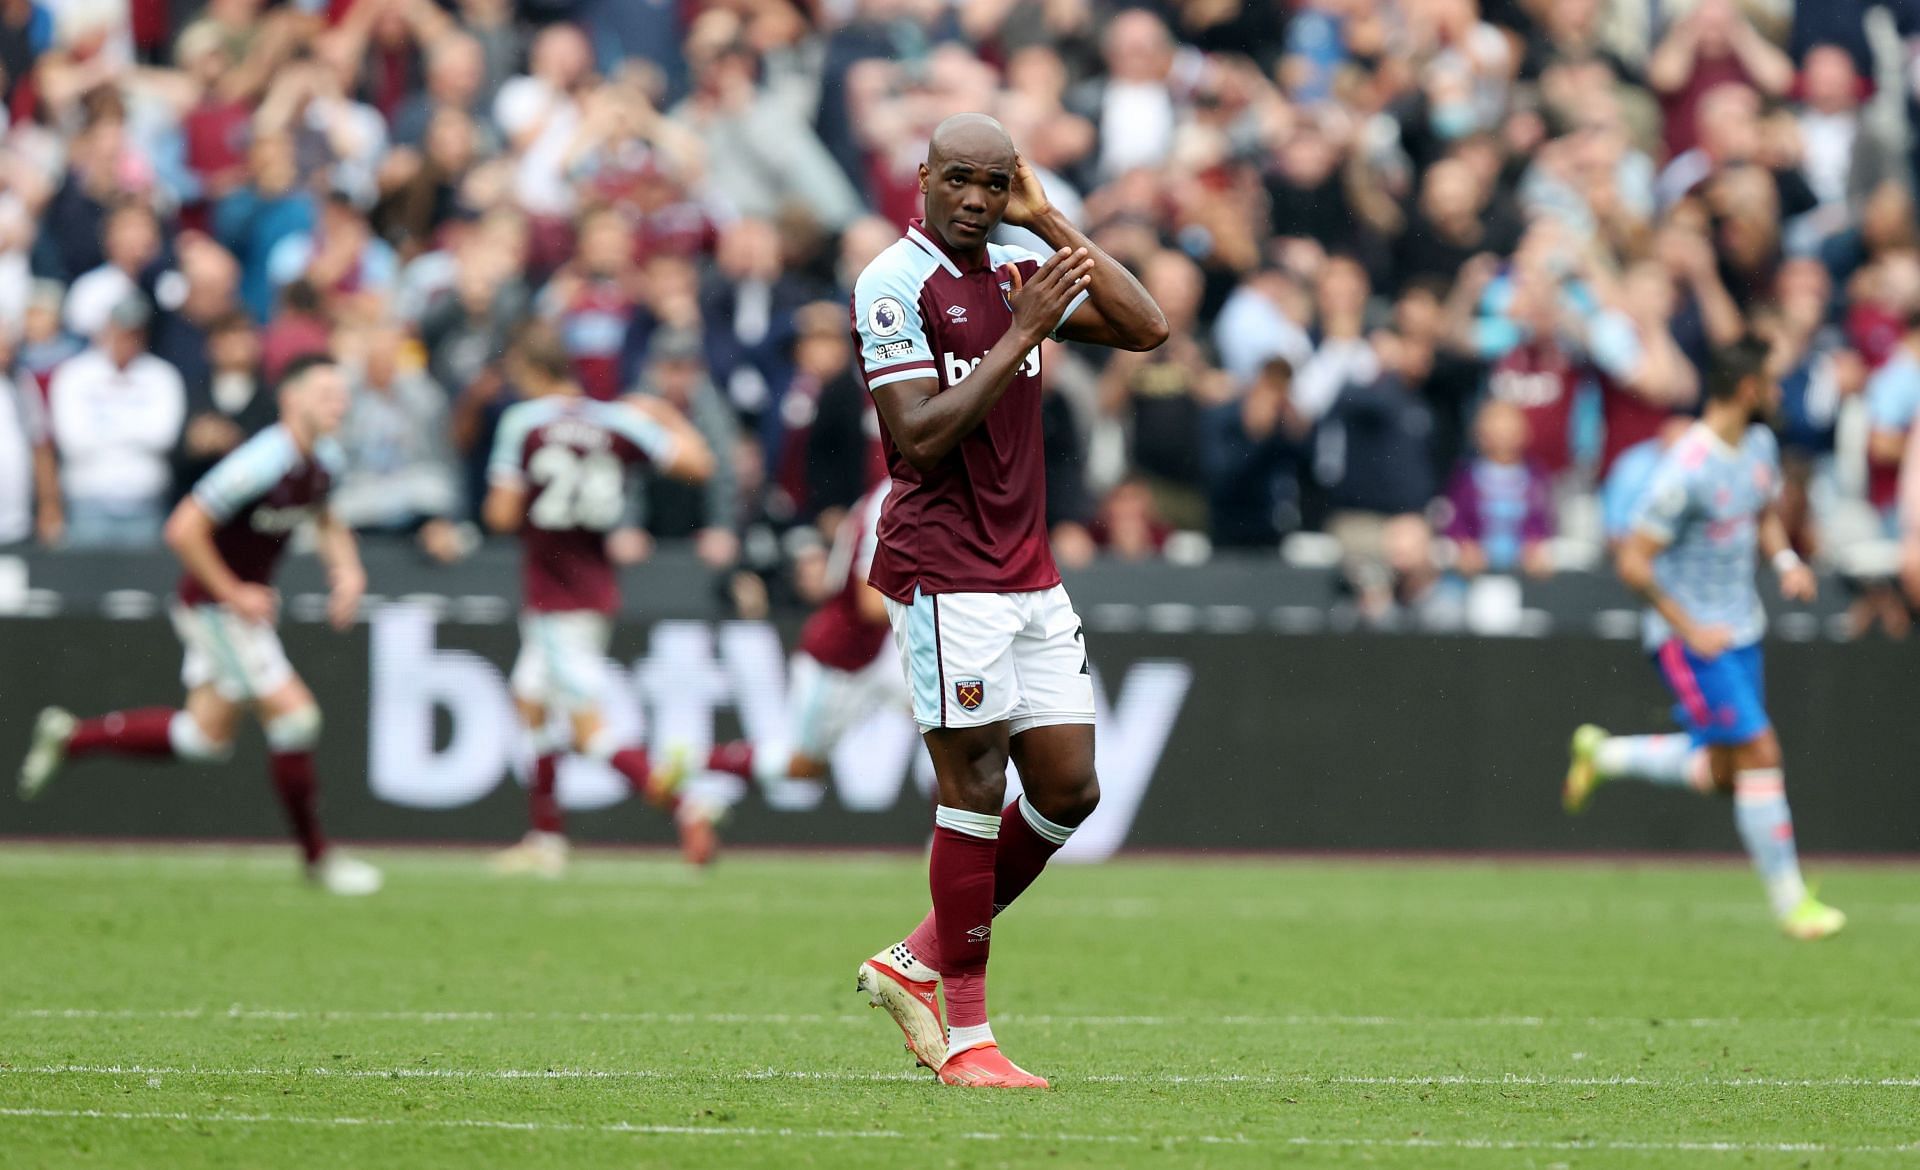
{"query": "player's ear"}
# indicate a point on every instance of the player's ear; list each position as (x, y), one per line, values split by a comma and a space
(924, 175)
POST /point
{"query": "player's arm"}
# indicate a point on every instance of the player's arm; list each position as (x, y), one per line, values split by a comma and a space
(688, 457)
(1634, 562)
(505, 507)
(926, 422)
(189, 533)
(1118, 312)
(346, 577)
(1797, 582)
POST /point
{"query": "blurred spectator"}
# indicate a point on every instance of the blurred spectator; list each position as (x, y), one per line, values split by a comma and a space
(676, 371)
(747, 306)
(1715, 45)
(1844, 155)
(43, 343)
(131, 245)
(1132, 107)
(116, 412)
(29, 475)
(301, 327)
(1261, 321)
(1893, 402)
(827, 456)
(400, 474)
(1499, 507)
(71, 236)
(539, 113)
(1160, 395)
(1644, 376)
(1343, 357)
(1371, 459)
(1818, 373)
(469, 323)
(1255, 450)
(760, 154)
(257, 216)
(205, 289)
(339, 258)
(455, 83)
(227, 402)
(593, 299)
(1129, 525)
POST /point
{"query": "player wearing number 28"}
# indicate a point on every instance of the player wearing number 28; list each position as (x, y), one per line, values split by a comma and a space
(562, 470)
(949, 327)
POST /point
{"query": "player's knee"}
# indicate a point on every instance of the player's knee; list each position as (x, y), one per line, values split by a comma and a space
(191, 741)
(297, 730)
(1069, 803)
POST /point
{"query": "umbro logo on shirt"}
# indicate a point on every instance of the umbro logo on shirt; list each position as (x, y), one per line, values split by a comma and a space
(958, 313)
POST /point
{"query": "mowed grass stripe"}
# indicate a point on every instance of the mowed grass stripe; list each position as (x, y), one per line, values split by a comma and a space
(1404, 1080)
(1041, 1019)
(1729, 1146)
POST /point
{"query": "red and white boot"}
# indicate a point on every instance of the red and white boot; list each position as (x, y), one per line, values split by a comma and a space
(896, 980)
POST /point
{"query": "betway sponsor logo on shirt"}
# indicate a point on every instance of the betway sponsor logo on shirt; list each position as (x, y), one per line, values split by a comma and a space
(280, 520)
(674, 694)
(957, 368)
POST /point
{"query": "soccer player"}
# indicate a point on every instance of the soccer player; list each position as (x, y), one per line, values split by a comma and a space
(561, 472)
(948, 326)
(229, 534)
(839, 674)
(1690, 553)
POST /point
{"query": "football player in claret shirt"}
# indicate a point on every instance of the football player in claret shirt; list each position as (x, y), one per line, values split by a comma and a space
(841, 673)
(949, 328)
(229, 534)
(562, 469)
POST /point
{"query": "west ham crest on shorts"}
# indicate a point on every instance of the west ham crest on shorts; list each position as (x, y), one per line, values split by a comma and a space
(969, 692)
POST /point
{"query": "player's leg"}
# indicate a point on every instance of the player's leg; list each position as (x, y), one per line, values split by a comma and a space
(291, 720)
(957, 650)
(1760, 810)
(201, 732)
(1670, 760)
(543, 850)
(789, 773)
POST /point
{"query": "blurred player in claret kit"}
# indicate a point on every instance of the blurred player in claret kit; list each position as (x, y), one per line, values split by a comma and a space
(1691, 551)
(562, 470)
(949, 327)
(840, 673)
(229, 534)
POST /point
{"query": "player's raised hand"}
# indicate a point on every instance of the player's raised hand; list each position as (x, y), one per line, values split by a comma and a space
(1039, 302)
(1027, 200)
(254, 603)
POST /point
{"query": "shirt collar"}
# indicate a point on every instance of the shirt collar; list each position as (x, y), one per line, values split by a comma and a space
(930, 242)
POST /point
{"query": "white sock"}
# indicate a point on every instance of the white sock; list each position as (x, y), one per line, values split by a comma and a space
(1671, 761)
(972, 1036)
(1766, 829)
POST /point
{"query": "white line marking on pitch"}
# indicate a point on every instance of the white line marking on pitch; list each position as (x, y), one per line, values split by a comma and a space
(414, 1072)
(736, 1132)
(239, 1012)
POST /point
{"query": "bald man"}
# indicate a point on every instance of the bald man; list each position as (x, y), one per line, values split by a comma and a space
(949, 328)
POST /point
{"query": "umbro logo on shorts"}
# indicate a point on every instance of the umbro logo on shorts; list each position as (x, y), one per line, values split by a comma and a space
(969, 692)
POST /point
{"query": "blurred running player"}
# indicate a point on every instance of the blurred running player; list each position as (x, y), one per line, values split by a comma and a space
(949, 327)
(229, 534)
(839, 675)
(562, 470)
(1709, 506)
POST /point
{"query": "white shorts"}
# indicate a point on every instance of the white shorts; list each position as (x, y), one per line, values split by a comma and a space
(563, 659)
(824, 704)
(978, 658)
(242, 660)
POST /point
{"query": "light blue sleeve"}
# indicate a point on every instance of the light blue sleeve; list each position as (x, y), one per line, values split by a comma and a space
(886, 315)
(1626, 485)
(1766, 448)
(1613, 345)
(652, 438)
(516, 421)
(1664, 505)
(246, 474)
(1893, 395)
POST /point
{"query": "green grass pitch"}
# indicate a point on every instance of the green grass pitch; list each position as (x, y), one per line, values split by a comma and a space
(173, 1008)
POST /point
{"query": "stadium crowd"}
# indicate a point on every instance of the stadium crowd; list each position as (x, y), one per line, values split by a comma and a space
(1441, 274)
